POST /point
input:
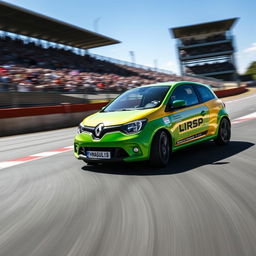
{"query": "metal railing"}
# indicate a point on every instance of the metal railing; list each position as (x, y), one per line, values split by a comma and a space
(129, 64)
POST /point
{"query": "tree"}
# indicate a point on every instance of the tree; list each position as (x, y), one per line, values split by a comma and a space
(251, 70)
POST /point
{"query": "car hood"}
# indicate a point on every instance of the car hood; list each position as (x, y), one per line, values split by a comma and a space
(117, 117)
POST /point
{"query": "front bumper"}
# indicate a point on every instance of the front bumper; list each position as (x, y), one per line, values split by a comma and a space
(119, 144)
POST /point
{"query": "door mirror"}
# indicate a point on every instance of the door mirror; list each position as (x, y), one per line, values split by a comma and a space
(175, 104)
(178, 103)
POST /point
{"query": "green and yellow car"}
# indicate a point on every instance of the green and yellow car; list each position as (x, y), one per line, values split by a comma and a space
(152, 121)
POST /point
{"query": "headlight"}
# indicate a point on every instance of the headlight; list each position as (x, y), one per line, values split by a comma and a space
(134, 127)
(80, 128)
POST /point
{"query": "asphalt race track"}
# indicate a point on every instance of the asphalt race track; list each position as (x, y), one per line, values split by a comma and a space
(203, 203)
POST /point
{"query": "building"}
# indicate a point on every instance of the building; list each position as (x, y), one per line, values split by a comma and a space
(207, 49)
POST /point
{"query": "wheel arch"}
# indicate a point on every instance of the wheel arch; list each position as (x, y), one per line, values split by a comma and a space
(167, 132)
(219, 140)
(222, 114)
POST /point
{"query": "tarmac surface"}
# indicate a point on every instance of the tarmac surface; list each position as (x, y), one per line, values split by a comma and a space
(203, 203)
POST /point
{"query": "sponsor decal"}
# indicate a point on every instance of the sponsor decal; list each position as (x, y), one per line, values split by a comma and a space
(190, 124)
(177, 117)
(166, 120)
(191, 137)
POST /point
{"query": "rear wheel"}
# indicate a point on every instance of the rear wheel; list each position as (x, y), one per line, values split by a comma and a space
(224, 132)
(160, 149)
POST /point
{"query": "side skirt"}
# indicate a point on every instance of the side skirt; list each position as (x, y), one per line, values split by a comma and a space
(175, 148)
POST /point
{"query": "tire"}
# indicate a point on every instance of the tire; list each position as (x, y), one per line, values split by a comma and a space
(224, 132)
(160, 150)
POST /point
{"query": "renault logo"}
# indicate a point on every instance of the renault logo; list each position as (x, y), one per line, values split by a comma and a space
(98, 129)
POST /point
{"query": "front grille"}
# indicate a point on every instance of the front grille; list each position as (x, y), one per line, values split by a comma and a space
(116, 153)
(106, 129)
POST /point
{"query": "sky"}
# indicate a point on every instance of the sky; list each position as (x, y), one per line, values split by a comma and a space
(142, 26)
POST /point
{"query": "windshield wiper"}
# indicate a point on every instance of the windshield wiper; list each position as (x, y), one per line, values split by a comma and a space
(122, 109)
(126, 109)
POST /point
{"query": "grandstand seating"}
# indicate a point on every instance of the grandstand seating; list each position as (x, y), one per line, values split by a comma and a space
(207, 49)
(210, 68)
(32, 67)
(214, 38)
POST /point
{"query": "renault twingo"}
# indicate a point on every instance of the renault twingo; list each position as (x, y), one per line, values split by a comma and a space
(150, 122)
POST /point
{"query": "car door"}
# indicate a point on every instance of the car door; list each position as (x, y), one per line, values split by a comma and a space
(213, 103)
(190, 122)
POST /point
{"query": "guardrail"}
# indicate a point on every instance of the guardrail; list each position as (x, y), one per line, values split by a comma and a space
(34, 119)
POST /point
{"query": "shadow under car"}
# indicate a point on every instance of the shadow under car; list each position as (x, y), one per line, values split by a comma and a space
(181, 161)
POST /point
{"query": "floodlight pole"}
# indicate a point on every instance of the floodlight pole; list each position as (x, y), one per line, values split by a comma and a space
(95, 24)
(155, 64)
(132, 54)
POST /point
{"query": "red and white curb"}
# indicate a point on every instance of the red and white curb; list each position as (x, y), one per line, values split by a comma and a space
(244, 118)
(25, 159)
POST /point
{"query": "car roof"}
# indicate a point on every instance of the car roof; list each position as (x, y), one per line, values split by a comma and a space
(172, 83)
(159, 84)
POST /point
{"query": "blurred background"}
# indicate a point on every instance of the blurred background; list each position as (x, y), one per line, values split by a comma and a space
(46, 61)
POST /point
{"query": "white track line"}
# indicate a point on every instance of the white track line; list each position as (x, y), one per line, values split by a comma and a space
(45, 154)
(9, 164)
(30, 158)
(244, 118)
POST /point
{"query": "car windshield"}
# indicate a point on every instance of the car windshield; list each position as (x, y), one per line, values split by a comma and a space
(139, 98)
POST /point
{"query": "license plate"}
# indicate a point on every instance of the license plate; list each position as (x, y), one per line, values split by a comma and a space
(98, 154)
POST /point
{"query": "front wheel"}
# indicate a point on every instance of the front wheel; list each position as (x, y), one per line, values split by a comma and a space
(160, 149)
(224, 132)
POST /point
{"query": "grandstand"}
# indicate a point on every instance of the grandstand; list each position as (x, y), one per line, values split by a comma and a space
(39, 53)
(207, 49)
(24, 22)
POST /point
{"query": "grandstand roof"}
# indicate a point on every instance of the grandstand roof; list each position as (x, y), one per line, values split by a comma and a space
(25, 22)
(203, 28)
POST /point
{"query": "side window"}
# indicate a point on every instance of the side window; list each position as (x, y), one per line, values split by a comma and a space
(187, 93)
(205, 93)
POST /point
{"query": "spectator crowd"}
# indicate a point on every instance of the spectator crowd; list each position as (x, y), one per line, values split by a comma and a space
(28, 66)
